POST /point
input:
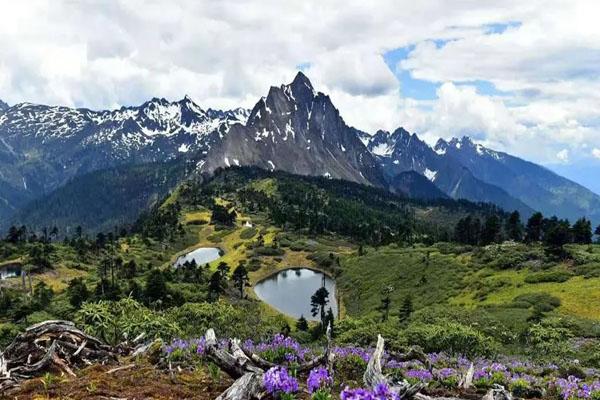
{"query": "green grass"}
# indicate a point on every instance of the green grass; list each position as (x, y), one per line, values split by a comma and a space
(429, 279)
(459, 277)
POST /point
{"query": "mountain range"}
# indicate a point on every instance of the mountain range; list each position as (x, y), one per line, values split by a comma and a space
(47, 151)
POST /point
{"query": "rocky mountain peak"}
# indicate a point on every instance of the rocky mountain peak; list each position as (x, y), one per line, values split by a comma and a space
(3, 105)
(441, 146)
(301, 82)
(296, 129)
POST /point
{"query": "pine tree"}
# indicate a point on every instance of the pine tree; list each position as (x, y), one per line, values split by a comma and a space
(240, 278)
(384, 307)
(302, 324)
(406, 309)
(329, 321)
(514, 228)
(556, 234)
(582, 231)
(216, 286)
(533, 231)
(318, 302)
(156, 287)
(77, 292)
(491, 230)
(597, 233)
(223, 269)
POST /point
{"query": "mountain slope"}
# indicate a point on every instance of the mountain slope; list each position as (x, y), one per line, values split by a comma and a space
(533, 184)
(43, 147)
(297, 130)
(401, 151)
(317, 205)
(416, 186)
(101, 200)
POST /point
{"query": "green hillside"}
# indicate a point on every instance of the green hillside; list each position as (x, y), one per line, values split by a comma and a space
(398, 269)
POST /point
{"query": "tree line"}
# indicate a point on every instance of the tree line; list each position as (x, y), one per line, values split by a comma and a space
(552, 232)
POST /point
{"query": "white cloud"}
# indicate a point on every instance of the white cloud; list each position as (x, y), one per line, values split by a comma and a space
(563, 156)
(596, 152)
(227, 53)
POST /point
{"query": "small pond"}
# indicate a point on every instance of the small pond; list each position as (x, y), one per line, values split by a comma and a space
(10, 271)
(202, 256)
(290, 290)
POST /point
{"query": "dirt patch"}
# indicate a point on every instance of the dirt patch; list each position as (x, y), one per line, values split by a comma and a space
(140, 382)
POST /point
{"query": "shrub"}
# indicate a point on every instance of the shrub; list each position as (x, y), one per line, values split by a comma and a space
(8, 332)
(588, 270)
(114, 321)
(519, 387)
(248, 233)
(554, 276)
(349, 368)
(543, 300)
(451, 338)
(548, 342)
(268, 251)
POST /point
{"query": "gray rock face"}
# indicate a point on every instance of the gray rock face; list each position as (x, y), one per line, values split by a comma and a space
(297, 130)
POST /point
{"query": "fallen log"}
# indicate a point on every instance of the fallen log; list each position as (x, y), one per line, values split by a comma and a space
(248, 387)
(50, 346)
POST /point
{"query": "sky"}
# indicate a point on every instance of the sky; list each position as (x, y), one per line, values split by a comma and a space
(517, 76)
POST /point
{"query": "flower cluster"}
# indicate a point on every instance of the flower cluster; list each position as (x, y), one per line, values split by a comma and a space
(279, 350)
(573, 388)
(349, 351)
(278, 381)
(520, 377)
(418, 375)
(381, 392)
(179, 348)
(318, 379)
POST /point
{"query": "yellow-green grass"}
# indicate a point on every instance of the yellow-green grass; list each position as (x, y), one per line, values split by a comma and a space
(579, 296)
(173, 197)
(58, 278)
(267, 186)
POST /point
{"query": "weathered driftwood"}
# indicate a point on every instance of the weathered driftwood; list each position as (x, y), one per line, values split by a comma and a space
(248, 387)
(467, 380)
(248, 368)
(498, 393)
(373, 375)
(50, 346)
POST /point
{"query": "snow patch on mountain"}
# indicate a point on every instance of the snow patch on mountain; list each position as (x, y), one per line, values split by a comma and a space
(429, 174)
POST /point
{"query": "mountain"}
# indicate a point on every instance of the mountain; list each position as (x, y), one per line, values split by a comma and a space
(44, 147)
(101, 200)
(416, 186)
(298, 130)
(3, 106)
(533, 184)
(400, 151)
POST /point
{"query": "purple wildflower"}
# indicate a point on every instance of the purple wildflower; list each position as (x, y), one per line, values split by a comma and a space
(381, 392)
(277, 381)
(318, 378)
